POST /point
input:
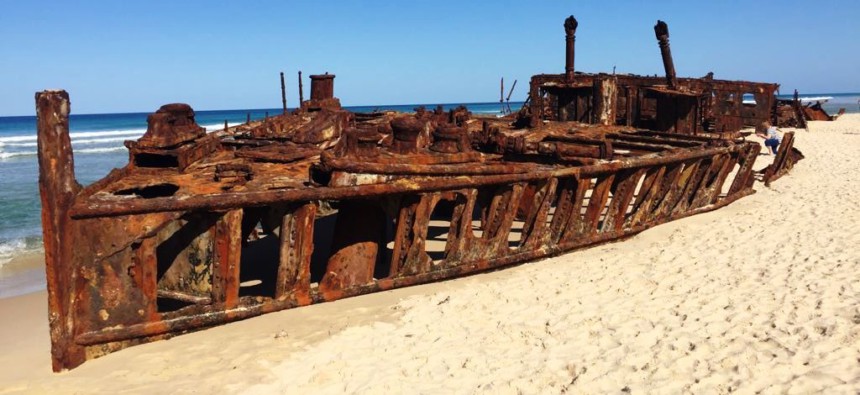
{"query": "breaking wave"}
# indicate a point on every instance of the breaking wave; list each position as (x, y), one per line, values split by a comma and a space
(82, 142)
(10, 248)
(95, 142)
(7, 155)
(11, 140)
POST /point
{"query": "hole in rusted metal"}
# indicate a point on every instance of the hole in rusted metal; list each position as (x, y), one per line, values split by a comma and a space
(150, 191)
(637, 190)
(166, 305)
(155, 160)
(323, 234)
(480, 209)
(383, 263)
(438, 230)
(184, 259)
(724, 189)
(258, 267)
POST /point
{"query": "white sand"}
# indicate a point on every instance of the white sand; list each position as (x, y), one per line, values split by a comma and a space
(763, 295)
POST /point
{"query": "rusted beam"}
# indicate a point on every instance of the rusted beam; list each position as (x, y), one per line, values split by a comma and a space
(93, 206)
(57, 189)
(283, 94)
(622, 194)
(502, 92)
(296, 248)
(301, 90)
(228, 250)
(535, 227)
(408, 255)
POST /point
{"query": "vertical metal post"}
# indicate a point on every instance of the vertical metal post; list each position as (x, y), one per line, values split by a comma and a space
(228, 255)
(301, 90)
(604, 99)
(535, 103)
(57, 188)
(296, 249)
(502, 95)
(283, 93)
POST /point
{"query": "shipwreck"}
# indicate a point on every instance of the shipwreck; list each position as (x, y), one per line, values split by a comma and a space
(201, 229)
(794, 114)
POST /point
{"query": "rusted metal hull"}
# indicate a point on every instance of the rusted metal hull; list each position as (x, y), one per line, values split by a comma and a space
(814, 112)
(321, 204)
(153, 268)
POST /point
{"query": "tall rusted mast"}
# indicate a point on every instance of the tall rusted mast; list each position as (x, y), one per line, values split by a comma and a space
(502, 95)
(301, 90)
(570, 25)
(661, 30)
(283, 93)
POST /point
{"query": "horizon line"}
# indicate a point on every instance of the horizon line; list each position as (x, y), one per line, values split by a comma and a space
(375, 105)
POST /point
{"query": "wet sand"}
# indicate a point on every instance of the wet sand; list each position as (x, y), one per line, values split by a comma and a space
(22, 275)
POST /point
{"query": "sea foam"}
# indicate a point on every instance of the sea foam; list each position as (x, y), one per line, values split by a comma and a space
(7, 155)
(10, 248)
(94, 137)
(73, 135)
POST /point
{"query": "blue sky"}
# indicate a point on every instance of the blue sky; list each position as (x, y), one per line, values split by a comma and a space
(133, 56)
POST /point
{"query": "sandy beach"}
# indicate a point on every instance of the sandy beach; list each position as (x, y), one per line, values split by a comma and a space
(762, 296)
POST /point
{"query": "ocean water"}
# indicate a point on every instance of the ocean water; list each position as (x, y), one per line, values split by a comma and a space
(97, 141)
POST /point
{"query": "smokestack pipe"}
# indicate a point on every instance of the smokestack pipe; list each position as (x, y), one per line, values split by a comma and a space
(661, 30)
(570, 25)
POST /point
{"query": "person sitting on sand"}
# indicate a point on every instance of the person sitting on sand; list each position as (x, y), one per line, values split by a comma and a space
(771, 135)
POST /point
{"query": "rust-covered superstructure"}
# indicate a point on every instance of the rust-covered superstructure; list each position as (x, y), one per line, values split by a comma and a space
(201, 229)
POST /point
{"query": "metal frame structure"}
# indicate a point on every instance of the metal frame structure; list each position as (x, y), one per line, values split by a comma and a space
(320, 204)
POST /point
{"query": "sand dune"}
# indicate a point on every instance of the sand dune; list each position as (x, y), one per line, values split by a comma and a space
(763, 295)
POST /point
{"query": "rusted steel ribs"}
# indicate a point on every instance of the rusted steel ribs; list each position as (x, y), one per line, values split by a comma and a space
(174, 254)
(201, 229)
(786, 157)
